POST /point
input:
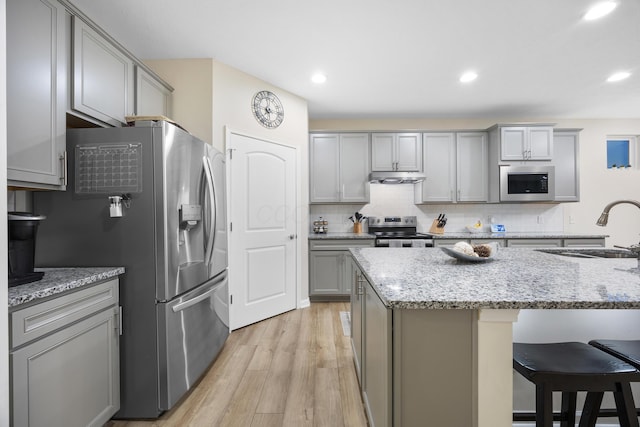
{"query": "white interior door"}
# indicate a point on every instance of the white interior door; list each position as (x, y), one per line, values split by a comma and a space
(262, 240)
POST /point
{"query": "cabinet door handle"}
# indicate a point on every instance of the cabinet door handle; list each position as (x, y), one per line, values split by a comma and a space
(118, 314)
(63, 166)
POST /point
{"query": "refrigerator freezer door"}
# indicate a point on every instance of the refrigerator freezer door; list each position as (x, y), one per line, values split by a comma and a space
(196, 329)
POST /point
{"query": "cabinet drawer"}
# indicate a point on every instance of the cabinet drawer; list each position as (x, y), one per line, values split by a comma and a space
(573, 243)
(339, 245)
(534, 243)
(37, 320)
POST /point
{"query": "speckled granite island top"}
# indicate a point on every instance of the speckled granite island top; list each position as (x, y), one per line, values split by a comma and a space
(414, 278)
(58, 280)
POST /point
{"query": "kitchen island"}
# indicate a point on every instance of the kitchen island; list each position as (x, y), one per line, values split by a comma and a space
(437, 333)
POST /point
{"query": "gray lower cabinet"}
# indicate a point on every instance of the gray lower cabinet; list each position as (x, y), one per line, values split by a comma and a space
(357, 319)
(64, 359)
(376, 363)
(330, 267)
(405, 379)
(37, 40)
(372, 351)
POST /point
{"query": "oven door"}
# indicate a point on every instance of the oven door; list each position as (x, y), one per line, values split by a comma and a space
(527, 183)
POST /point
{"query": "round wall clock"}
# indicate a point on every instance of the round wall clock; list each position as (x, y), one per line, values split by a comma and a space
(267, 109)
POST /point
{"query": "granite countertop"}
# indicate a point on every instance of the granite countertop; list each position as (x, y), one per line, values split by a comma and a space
(340, 235)
(58, 280)
(514, 235)
(427, 278)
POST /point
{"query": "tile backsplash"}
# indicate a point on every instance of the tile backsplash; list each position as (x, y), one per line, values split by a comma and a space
(397, 200)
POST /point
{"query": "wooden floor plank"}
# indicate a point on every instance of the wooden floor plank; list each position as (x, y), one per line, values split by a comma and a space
(242, 407)
(326, 349)
(267, 420)
(327, 408)
(300, 396)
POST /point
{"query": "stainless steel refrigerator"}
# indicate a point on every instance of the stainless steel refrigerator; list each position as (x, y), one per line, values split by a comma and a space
(167, 229)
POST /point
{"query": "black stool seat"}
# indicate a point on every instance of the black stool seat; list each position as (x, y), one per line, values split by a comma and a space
(627, 350)
(570, 367)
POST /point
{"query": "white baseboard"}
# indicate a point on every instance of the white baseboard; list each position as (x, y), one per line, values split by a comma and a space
(304, 303)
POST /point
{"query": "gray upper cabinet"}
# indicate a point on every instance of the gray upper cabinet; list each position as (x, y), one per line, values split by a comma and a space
(567, 165)
(396, 152)
(472, 163)
(152, 97)
(519, 143)
(339, 168)
(439, 152)
(456, 168)
(37, 40)
(103, 77)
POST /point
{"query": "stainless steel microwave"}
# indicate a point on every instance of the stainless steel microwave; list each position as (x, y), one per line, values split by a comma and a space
(527, 183)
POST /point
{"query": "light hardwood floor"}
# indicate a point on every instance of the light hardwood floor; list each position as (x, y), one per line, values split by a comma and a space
(295, 369)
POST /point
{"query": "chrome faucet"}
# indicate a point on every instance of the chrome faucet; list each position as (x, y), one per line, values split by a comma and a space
(604, 219)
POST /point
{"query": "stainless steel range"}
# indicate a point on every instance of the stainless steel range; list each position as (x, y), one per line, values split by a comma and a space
(398, 231)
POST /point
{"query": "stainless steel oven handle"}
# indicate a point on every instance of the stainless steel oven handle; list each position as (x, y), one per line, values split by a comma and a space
(206, 163)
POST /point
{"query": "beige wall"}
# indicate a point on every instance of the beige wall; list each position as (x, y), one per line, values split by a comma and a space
(211, 97)
(191, 101)
(599, 185)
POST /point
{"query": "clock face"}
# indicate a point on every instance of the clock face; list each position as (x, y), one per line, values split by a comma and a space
(267, 109)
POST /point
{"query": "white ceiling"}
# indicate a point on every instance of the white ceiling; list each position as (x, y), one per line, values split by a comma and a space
(403, 58)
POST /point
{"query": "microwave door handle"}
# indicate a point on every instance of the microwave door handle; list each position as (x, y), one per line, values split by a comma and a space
(212, 208)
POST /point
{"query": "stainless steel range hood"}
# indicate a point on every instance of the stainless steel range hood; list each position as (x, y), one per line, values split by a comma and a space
(396, 177)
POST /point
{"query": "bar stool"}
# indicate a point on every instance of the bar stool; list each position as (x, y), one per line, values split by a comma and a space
(569, 367)
(627, 350)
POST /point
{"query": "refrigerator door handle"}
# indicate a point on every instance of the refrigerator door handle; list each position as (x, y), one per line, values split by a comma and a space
(193, 301)
(212, 196)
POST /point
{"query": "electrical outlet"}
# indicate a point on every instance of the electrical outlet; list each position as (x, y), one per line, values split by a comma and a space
(572, 219)
(540, 219)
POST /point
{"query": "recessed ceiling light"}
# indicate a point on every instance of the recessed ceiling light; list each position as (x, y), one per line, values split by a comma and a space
(318, 78)
(599, 10)
(616, 77)
(469, 76)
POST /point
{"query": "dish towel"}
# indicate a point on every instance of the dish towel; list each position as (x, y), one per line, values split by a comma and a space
(417, 243)
(395, 243)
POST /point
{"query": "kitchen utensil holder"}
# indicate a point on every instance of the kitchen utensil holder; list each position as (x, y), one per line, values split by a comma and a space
(357, 227)
(434, 229)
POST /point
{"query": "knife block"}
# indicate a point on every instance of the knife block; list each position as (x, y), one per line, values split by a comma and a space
(434, 229)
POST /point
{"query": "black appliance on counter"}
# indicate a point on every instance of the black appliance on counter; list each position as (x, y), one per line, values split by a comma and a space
(398, 231)
(23, 227)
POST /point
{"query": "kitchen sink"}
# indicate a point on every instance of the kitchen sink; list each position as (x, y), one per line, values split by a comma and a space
(590, 253)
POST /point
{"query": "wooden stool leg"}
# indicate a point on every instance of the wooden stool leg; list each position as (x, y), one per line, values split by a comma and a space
(544, 406)
(568, 411)
(591, 408)
(625, 405)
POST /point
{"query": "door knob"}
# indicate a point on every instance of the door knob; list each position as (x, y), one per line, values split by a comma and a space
(292, 236)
